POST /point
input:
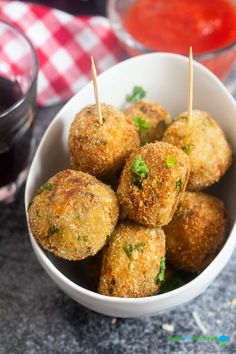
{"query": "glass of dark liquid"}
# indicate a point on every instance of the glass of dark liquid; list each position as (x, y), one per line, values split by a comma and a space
(18, 79)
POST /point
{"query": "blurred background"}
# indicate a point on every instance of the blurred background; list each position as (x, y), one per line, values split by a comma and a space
(83, 7)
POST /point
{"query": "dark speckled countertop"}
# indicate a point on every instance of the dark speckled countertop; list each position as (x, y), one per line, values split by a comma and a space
(36, 317)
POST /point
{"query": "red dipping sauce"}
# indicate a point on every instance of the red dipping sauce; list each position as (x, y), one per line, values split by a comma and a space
(174, 25)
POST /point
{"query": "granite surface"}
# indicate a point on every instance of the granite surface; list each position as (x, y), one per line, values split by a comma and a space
(36, 317)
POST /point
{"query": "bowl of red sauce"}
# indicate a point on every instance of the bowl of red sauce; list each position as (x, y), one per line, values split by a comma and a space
(174, 25)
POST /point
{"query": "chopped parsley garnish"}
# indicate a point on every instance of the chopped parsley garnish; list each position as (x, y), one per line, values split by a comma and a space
(171, 284)
(140, 171)
(139, 167)
(170, 161)
(137, 94)
(53, 230)
(141, 124)
(138, 247)
(161, 275)
(46, 187)
(187, 149)
(128, 250)
(178, 184)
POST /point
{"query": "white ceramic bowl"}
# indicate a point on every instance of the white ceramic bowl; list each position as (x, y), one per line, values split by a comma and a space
(164, 76)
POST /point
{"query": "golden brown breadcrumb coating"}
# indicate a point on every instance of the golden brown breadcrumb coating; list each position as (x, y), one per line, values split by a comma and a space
(73, 214)
(131, 261)
(196, 232)
(157, 117)
(101, 149)
(155, 201)
(205, 143)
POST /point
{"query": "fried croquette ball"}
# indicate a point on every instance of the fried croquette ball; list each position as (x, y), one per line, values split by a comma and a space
(101, 149)
(196, 232)
(132, 263)
(150, 119)
(152, 182)
(205, 144)
(73, 214)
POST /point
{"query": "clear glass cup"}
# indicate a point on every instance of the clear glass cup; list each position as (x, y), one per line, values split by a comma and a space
(18, 80)
(220, 61)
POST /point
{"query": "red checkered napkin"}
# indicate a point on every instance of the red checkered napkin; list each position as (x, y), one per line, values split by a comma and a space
(64, 44)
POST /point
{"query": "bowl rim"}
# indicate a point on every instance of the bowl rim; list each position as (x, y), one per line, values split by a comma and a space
(221, 258)
(130, 41)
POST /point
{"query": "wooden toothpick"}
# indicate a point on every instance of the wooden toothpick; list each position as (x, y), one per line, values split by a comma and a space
(96, 93)
(190, 86)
